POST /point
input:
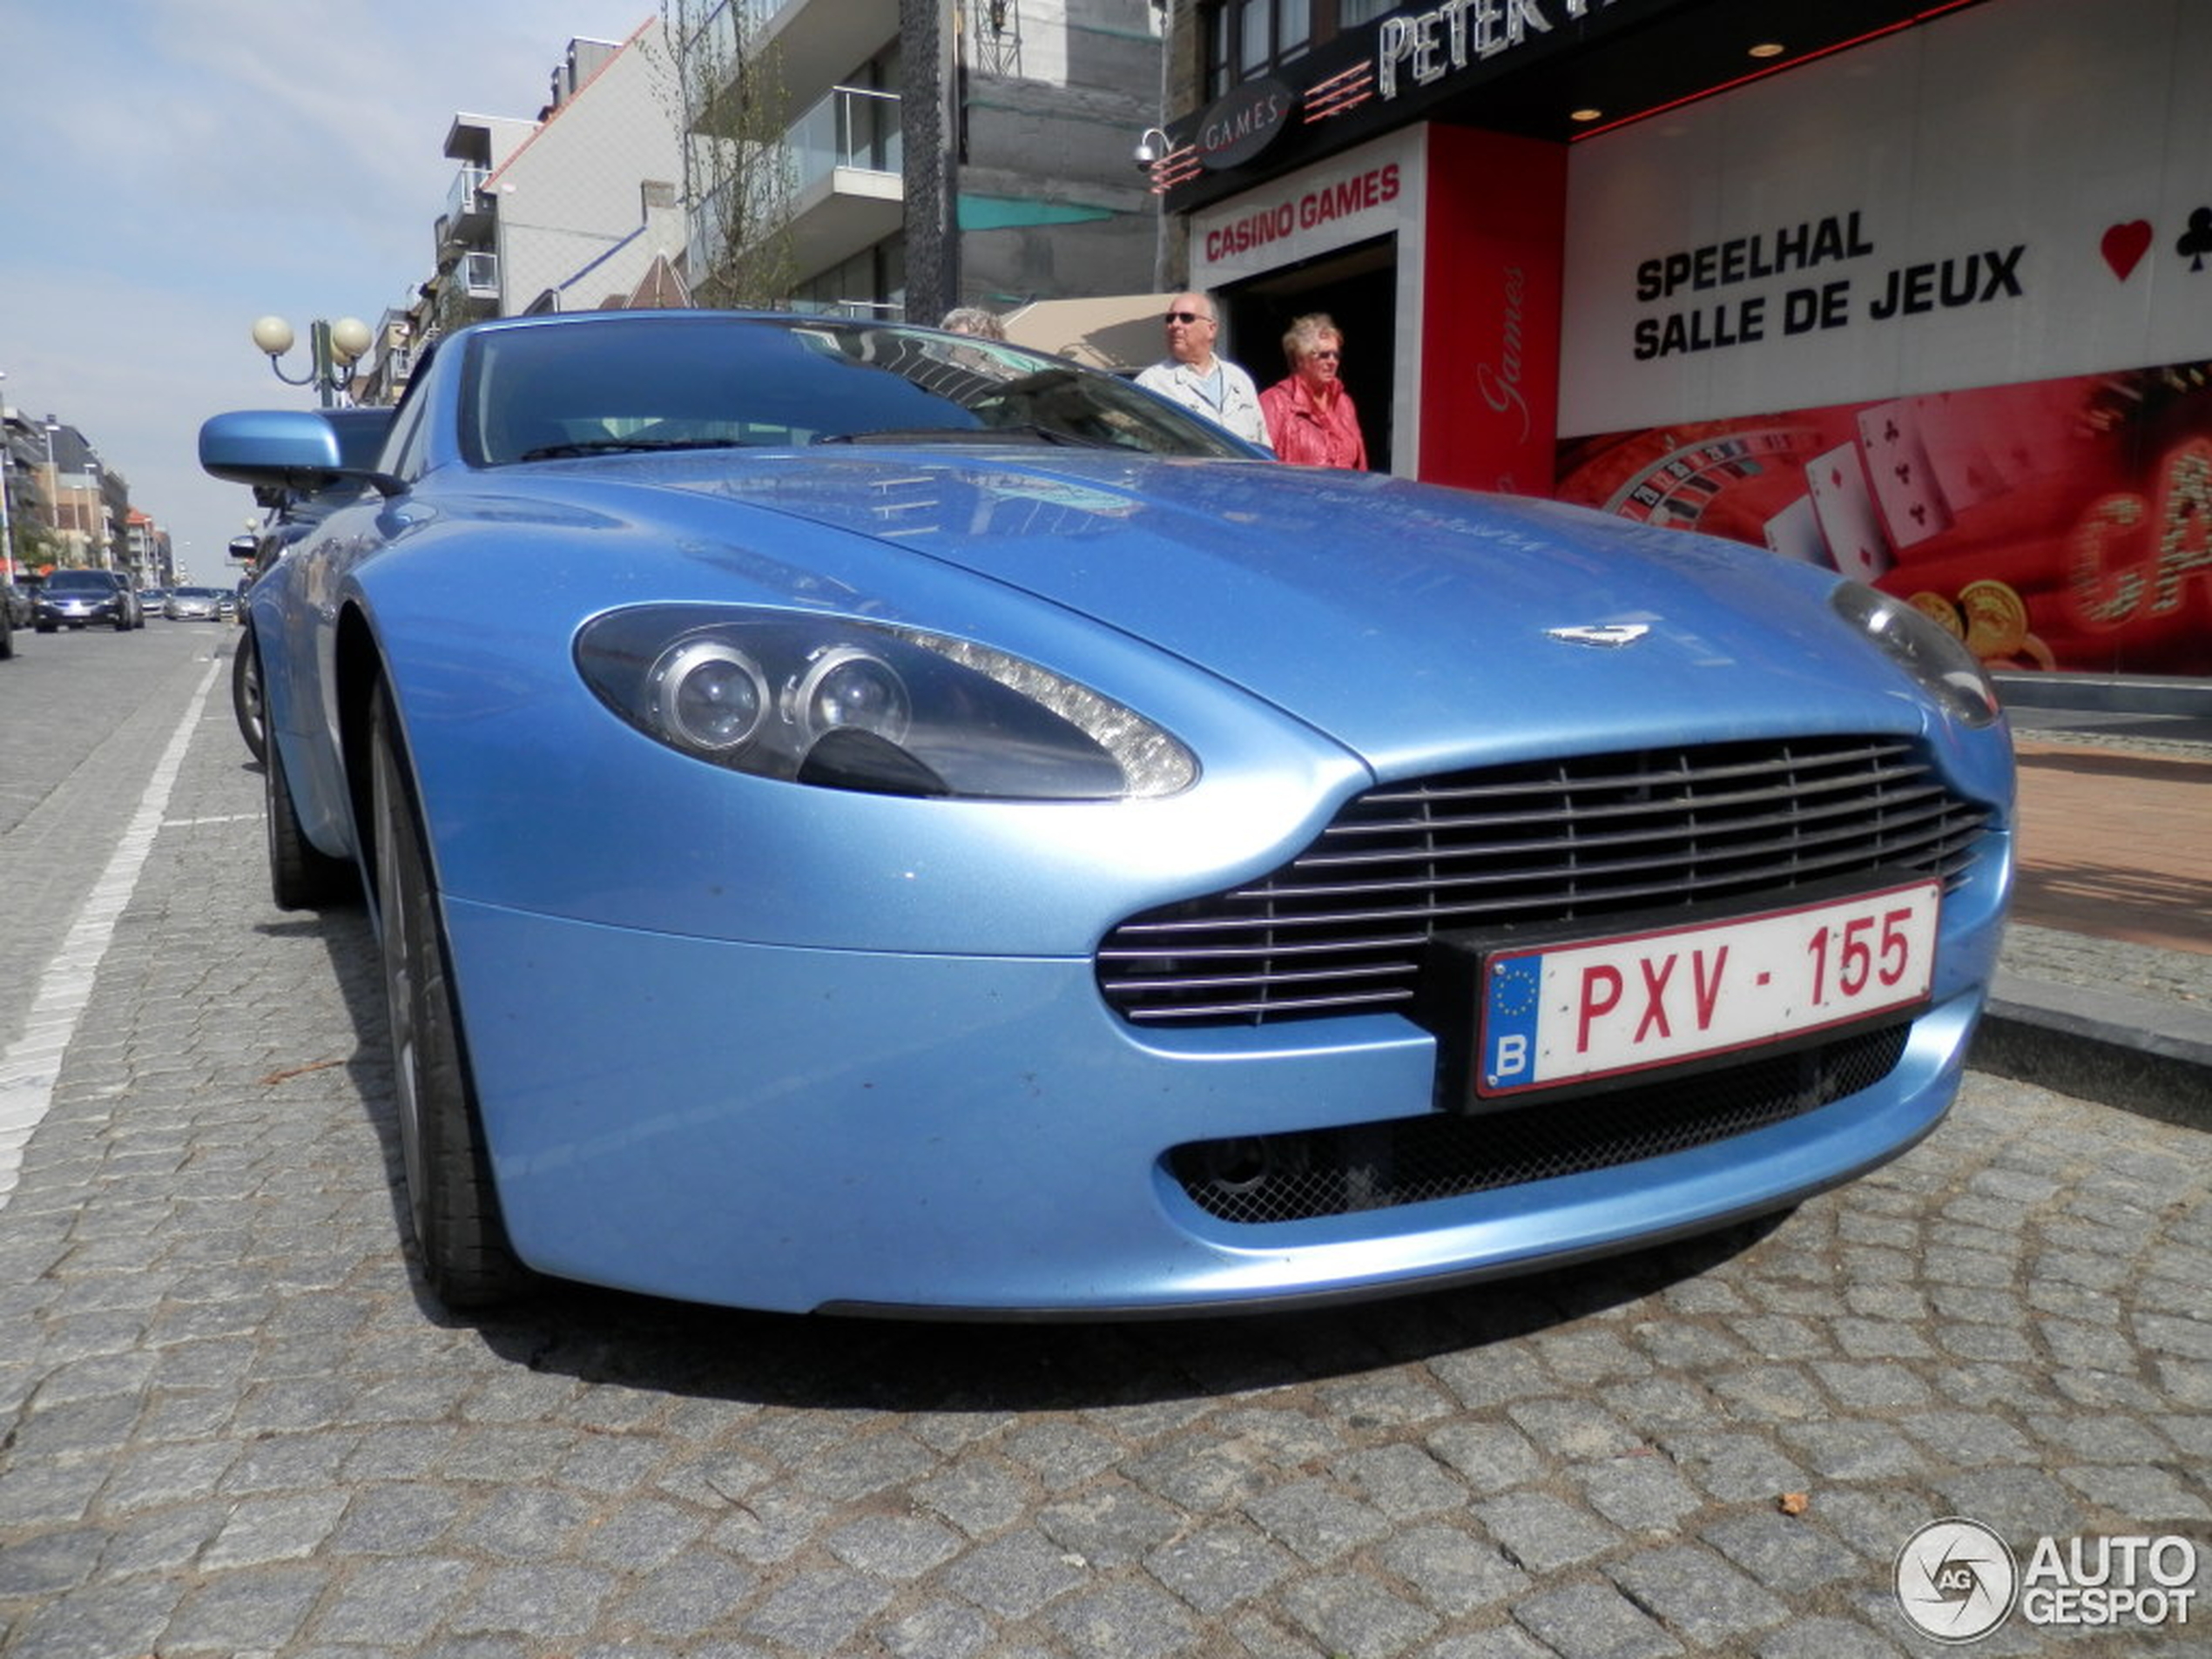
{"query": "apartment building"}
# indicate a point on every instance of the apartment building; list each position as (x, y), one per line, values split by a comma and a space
(899, 159)
(575, 208)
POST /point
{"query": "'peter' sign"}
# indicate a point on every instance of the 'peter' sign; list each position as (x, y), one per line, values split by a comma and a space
(1426, 46)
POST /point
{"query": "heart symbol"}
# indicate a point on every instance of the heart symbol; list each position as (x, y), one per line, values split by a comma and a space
(2125, 243)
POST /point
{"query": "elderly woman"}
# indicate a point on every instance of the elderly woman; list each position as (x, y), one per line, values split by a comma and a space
(1310, 418)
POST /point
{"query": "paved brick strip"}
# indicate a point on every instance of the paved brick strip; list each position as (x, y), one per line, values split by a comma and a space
(32, 1063)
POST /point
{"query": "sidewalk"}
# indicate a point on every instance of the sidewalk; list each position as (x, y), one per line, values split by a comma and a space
(2104, 987)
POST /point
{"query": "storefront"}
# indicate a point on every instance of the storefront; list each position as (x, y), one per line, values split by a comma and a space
(1934, 308)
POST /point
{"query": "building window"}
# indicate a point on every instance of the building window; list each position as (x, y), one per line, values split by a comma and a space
(1246, 39)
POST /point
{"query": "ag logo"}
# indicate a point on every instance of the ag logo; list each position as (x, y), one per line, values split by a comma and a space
(1956, 1580)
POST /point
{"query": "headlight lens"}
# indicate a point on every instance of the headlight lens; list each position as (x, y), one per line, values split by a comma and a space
(846, 686)
(861, 705)
(709, 696)
(1923, 648)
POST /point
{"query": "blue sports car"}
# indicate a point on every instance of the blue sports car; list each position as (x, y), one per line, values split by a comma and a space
(861, 818)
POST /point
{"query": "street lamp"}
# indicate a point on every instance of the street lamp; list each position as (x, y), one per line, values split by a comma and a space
(333, 345)
(54, 483)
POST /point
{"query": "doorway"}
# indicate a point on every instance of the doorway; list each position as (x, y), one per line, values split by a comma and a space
(1358, 287)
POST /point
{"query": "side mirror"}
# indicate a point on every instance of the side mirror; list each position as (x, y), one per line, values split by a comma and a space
(245, 547)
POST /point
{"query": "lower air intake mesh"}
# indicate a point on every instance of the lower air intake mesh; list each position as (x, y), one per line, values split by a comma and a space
(1446, 1155)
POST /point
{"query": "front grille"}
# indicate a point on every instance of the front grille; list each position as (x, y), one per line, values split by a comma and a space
(1446, 1155)
(1344, 927)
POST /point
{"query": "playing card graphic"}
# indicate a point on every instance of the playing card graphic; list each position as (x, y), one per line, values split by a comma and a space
(1965, 470)
(1904, 478)
(1795, 533)
(1845, 509)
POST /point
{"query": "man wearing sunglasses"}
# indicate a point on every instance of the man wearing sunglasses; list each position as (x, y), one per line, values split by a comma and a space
(1192, 376)
(1311, 422)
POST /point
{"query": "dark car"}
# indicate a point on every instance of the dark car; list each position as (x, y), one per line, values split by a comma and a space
(79, 598)
(15, 612)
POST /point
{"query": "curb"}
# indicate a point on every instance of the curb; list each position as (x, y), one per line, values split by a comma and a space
(2145, 1056)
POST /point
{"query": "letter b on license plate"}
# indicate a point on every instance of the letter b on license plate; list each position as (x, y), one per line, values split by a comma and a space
(1595, 1008)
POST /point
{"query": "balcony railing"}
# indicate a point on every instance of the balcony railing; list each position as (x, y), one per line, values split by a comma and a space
(480, 275)
(853, 127)
(464, 209)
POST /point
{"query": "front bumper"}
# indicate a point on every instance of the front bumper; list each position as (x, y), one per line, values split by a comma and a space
(77, 616)
(799, 1130)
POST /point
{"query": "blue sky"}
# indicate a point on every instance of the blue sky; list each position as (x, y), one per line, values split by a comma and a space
(174, 169)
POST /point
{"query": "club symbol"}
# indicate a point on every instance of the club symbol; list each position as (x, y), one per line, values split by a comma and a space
(2196, 241)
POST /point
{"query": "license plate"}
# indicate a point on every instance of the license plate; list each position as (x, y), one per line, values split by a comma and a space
(1595, 1008)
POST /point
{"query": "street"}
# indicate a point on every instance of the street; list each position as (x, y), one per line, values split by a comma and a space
(233, 1425)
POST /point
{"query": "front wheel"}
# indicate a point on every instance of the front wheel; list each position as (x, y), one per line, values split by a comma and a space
(245, 696)
(452, 1204)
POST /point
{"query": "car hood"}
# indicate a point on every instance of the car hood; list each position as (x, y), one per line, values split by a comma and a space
(1389, 615)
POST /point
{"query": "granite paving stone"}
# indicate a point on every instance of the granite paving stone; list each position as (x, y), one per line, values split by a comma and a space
(233, 1427)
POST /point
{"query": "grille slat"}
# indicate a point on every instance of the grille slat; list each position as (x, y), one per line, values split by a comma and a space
(1656, 806)
(1595, 865)
(1923, 803)
(1345, 925)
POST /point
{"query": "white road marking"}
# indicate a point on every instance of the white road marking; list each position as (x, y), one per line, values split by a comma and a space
(33, 1063)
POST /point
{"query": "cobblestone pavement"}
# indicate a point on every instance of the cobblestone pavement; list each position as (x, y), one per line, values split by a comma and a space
(232, 1426)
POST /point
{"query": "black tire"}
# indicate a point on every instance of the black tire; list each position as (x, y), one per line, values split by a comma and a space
(7, 636)
(301, 875)
(452, 1203)
(246, 696)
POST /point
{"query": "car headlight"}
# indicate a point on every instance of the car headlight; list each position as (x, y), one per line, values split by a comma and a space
(851, 704)
(1923, 648)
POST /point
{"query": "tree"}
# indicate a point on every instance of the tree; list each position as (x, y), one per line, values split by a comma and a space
(737, 168)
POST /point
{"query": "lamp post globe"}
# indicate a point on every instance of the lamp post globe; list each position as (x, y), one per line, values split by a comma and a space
(349, 338)
(333, 348)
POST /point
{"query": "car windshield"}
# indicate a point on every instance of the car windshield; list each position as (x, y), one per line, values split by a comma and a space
(547, 392)
(80, 582)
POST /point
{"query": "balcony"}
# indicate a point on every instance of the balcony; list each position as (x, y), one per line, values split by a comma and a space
(849, 185)
(815, 40)
(468, 212)
(479, 274)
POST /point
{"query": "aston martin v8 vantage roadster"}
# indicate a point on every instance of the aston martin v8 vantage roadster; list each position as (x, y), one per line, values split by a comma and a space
(861, 818)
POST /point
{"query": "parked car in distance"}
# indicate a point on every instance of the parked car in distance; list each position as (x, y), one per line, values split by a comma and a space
(16, 612)
(78, 599)
(294, 507)
(864, 819)
(194, 605)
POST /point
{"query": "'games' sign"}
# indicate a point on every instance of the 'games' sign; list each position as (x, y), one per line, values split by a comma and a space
(1241, 123)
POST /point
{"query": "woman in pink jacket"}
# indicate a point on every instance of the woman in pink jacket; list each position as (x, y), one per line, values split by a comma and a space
(1310, 418)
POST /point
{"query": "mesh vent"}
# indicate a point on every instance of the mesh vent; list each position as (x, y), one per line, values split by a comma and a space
(1343, 928)
(1446, 1155)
